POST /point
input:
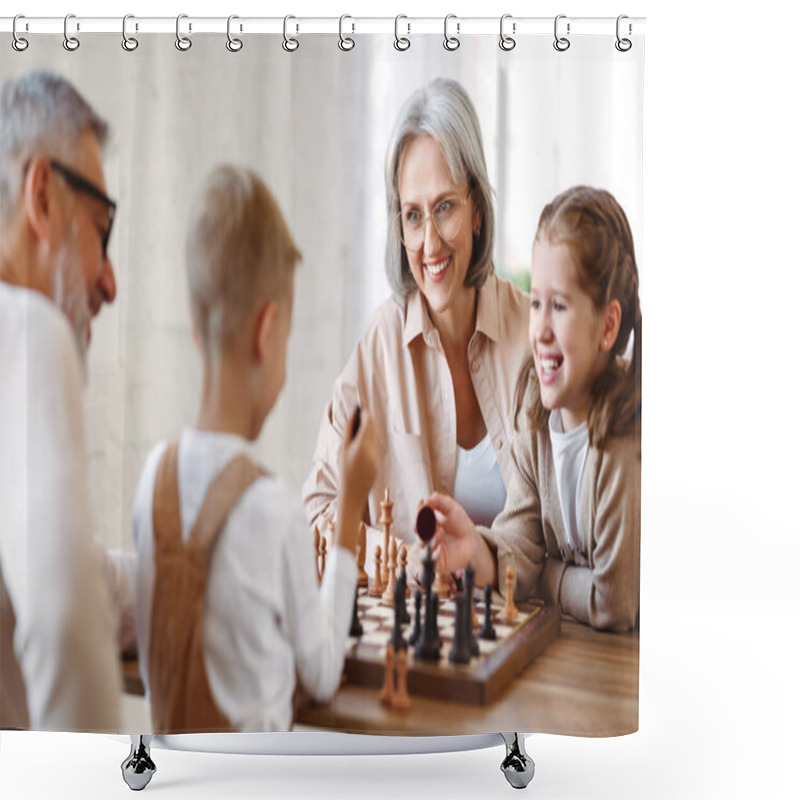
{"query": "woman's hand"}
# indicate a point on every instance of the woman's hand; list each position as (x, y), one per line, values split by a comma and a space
(358, 467)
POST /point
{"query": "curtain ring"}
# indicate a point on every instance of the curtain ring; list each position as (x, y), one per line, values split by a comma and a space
(401, 42)
(623, 45)
(71, 43)
(183, 43)
(18, 43)
(561, 43)
(507, 42)
(234, 44)
(290, 44)
(129, 43)
(346, 43)
(451, 42)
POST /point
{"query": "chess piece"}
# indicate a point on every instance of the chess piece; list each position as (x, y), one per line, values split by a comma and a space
(510, 613)
(398, 642)
(388, 592)
(415, 634)
(428, 646)
(441, 586)
(487, 630)
(376, 587)
(323, 549)
(460, 653)
(386, 521)
(387, 692)
(316, 551)
(403, 564)
(470, 615)
(356, 629)
(361, 558)
(402, 581)
(401, 701)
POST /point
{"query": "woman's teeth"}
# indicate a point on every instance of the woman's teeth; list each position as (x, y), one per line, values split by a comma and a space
(436, 269)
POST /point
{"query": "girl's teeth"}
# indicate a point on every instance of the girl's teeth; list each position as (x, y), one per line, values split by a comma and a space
(550, 364)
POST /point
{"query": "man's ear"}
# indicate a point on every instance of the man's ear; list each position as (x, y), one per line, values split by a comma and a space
(38, 196)
(264, 328)
(612, 317)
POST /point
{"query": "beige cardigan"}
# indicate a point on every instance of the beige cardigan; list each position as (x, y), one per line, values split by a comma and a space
(530, 532)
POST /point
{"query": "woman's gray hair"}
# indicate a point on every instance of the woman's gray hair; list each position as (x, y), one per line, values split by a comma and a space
(443, 111)
(40, 113)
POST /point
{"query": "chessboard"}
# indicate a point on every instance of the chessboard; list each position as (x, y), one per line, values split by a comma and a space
(476, 683)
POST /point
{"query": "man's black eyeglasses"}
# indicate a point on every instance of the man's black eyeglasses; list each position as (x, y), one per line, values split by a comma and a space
(79, 184)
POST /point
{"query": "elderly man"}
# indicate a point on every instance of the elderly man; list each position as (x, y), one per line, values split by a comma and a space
(58, 661)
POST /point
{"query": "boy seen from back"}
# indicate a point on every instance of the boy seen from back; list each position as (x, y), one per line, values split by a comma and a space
(228, 605)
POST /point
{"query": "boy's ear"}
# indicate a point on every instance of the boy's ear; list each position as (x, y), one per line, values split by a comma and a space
(265, 324)
(611, 320)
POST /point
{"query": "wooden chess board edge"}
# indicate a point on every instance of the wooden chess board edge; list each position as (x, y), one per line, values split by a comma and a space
(477, 684)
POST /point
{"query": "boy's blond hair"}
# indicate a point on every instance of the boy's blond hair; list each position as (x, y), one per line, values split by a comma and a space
(239, 254)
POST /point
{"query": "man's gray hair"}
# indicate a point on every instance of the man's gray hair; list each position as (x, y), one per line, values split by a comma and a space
(40, 113)
(443, 111)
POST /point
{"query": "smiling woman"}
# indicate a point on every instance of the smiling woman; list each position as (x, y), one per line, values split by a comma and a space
(438, 362)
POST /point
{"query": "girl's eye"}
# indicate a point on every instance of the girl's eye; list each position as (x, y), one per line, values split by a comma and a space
(558, 306)
(535, 304)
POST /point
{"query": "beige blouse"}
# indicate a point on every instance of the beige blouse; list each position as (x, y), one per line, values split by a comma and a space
(399, 372)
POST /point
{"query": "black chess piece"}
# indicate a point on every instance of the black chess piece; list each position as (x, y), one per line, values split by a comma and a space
(487, 630)
(460, 652)
(397, 640)
(406, 618)
(412, 640)
(428, 646)
(355, 624)
(469, 589)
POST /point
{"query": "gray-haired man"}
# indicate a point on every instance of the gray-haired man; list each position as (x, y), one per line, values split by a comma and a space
(58, 664)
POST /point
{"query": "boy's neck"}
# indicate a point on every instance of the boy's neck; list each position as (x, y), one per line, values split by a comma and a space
(226, 405)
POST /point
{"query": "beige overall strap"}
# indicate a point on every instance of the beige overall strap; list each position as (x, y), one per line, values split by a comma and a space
(223, 494)
(166, 502)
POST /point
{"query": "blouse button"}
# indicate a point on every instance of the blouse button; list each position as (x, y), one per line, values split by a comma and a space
(499, 444)
(475, 366)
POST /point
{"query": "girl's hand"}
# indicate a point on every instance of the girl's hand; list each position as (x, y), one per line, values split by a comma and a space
(456, 537)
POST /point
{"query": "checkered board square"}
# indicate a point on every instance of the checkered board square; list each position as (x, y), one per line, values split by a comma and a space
(476, 683)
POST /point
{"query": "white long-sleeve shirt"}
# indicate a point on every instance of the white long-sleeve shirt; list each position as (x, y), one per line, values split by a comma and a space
(58, 664)
(266, 616)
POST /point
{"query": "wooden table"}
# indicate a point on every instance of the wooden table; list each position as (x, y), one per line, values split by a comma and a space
(586, 683)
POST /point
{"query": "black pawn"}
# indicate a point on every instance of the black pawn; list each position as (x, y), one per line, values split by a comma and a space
(417, 617)
(404, 610)
(487, 629)
(460, 652)
(397, 640)
(355, 624)
(469, 585)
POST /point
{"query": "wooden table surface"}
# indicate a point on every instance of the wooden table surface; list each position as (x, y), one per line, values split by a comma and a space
(586, 683)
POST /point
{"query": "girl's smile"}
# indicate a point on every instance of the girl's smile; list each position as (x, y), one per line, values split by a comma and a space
(566, 334)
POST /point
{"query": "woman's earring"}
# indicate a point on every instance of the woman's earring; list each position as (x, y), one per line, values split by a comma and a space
(605, 343)
(477, 232)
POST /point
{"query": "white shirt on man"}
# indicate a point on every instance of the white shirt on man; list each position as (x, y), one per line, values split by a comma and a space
(569, 456)
(58, 663)
(266, 616)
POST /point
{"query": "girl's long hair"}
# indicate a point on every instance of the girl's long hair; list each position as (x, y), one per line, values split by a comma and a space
(595, 229)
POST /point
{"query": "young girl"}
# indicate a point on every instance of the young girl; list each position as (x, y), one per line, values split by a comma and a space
(571, 521)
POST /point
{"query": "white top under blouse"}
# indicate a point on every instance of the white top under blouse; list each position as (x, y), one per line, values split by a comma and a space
(569, 456)
(479, 486)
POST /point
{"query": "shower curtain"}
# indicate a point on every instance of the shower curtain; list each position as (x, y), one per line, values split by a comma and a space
(315, 124)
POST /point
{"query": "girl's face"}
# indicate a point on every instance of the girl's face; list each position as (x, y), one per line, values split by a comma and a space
(566, 333)
(427, 192)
